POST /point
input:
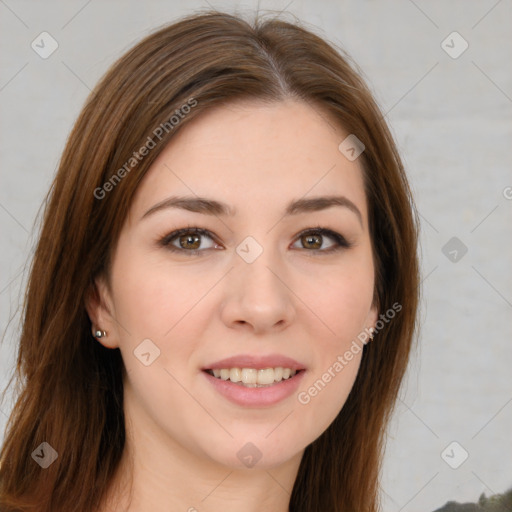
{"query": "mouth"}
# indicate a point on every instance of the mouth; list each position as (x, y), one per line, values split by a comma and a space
(254, 377)
(255, 380)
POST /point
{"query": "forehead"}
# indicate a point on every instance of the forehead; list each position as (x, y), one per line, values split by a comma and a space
(251, 154)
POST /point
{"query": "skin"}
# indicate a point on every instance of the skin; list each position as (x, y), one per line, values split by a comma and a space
(182, 435)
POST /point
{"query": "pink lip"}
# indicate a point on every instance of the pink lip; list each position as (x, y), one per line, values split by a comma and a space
(255, 397)
(257, 362)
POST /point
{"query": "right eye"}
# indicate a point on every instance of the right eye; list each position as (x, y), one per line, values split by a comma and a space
(188, 240)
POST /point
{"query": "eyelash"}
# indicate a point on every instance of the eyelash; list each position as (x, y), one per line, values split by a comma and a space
(340, 241)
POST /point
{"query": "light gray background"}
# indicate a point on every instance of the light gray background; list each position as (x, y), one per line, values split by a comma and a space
(452, 121)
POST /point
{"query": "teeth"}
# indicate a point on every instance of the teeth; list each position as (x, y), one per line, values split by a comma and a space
(251, 377)
(235, 375)
(266, 376)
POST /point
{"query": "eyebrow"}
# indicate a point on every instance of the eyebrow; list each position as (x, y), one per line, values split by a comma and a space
(212, 207)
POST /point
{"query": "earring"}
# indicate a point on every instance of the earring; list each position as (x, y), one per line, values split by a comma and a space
(371, 329)
(100, 334)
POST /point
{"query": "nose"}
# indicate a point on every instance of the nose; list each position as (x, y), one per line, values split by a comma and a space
(258, 297)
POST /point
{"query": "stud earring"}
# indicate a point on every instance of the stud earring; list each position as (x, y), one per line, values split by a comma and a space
(371, 329)
(100, 334)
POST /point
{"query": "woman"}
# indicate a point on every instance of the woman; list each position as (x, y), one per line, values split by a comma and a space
(223, 298)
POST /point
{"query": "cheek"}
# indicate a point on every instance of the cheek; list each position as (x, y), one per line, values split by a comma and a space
(153, 298)
(336, 361)
(167, 305)
(337, 313)
(324, 393)
(339, 301)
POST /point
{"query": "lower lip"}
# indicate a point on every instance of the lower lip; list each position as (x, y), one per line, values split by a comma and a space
(256, 397)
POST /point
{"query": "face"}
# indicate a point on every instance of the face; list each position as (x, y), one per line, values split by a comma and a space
(272, 279)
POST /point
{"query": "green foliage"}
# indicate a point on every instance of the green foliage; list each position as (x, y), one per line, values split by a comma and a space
(495, 503)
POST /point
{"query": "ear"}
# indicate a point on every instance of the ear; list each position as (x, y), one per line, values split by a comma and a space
(99, 307)
(373, 316)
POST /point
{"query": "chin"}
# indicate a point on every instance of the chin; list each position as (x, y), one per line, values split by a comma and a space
(251, 452)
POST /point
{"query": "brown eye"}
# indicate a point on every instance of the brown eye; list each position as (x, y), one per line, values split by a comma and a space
(313, 239)
(189, 241)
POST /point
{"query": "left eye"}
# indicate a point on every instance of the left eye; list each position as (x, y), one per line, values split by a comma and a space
(313, 239)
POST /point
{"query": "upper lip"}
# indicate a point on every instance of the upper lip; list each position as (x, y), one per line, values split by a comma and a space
(258, 362)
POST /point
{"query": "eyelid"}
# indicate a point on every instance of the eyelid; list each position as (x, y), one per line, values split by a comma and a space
(340, 241)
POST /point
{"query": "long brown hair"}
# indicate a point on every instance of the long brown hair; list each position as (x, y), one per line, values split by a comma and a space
(71, 391)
